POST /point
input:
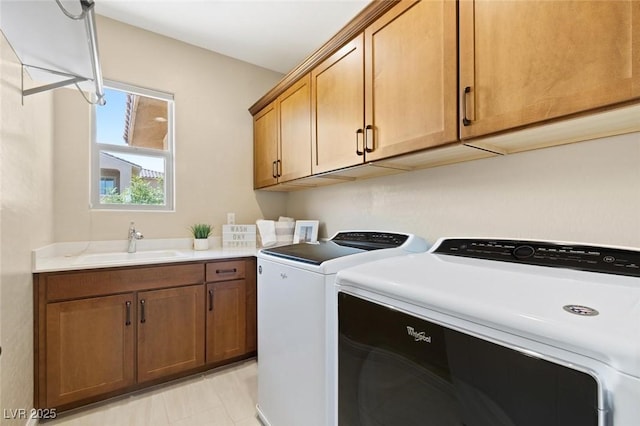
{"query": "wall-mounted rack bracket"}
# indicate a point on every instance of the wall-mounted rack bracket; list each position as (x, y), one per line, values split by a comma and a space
(27, 92)
(73, 79)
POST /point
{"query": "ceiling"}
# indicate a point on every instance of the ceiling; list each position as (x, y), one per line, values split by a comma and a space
(274, 34)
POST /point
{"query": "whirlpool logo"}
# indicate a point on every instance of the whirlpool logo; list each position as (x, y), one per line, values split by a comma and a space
(420, 336)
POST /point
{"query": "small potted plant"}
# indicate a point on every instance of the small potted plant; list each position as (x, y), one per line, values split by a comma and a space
(201, 232)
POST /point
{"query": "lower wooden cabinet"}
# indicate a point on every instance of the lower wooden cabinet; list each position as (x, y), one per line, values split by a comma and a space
(226, 320)
(252, 305)
(170, 331)
(90, 347)
(104, 332)
(231, 309)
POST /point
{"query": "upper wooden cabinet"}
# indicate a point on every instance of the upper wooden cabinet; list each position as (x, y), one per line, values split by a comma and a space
(390, 91)
(282, 137)
(337, 101)
(525, 62)
(410, 79)
(412, 84)
(265, 146)
(295, 131)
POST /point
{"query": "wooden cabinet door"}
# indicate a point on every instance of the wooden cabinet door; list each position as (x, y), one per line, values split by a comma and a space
(252, 305)
(295, 131)
(89, 347)
(525, 62)
(170, 331)
(411, 79)
(265, 147)
(337, 102)
(226, 320)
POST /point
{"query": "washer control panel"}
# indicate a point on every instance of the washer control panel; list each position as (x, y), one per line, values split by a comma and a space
(583, 257)
(369, 240)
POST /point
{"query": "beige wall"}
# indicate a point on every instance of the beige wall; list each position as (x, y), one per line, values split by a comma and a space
(589, 191)
(26, 222)
(213, 138)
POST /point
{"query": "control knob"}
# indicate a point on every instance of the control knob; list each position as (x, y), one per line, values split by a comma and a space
(523, 252)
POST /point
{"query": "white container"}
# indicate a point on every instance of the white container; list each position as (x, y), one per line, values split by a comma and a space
(201, 244)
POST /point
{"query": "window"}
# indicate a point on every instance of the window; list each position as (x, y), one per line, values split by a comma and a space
(108, 184)
(132, 150)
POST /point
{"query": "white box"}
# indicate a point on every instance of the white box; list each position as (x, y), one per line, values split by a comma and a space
(284, 232)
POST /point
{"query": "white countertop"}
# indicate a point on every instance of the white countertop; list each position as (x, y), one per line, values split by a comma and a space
(110, 254)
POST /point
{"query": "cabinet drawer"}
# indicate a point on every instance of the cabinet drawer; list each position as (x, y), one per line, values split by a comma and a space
(224, 271)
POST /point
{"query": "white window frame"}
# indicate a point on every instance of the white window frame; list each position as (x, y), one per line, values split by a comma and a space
(168, 155)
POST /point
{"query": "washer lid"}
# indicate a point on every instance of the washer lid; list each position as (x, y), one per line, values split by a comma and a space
(345, 243)
(313, 253)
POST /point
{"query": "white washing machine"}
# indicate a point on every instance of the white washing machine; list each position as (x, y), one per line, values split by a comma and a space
(295, 310)
(481, 332)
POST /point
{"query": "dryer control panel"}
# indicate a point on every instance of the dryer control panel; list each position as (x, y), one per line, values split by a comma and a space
(560, 255)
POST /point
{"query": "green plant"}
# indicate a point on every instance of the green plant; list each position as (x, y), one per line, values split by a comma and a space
(201, 230)
(140, 192)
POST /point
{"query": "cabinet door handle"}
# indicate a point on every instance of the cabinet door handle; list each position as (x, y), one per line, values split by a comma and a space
(226, 271)
(211, 300)
(274, 172)
(143, 318)
(465, 120)
(279, 168)
(368, 130)
(128, 320)
(358, 133)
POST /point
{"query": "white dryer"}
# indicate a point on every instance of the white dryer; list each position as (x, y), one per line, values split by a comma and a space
(486, 332)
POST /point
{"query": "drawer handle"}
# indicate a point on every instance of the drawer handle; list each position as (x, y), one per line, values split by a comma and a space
(368, 130)
(128, 320)
(226, 271)
(211, 300)
(359, 132)
(465, 120)
(143, 318)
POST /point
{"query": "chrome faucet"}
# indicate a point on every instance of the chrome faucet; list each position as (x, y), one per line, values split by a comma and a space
(133, 237)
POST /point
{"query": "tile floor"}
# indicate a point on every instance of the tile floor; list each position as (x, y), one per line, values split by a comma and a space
(224, 397)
